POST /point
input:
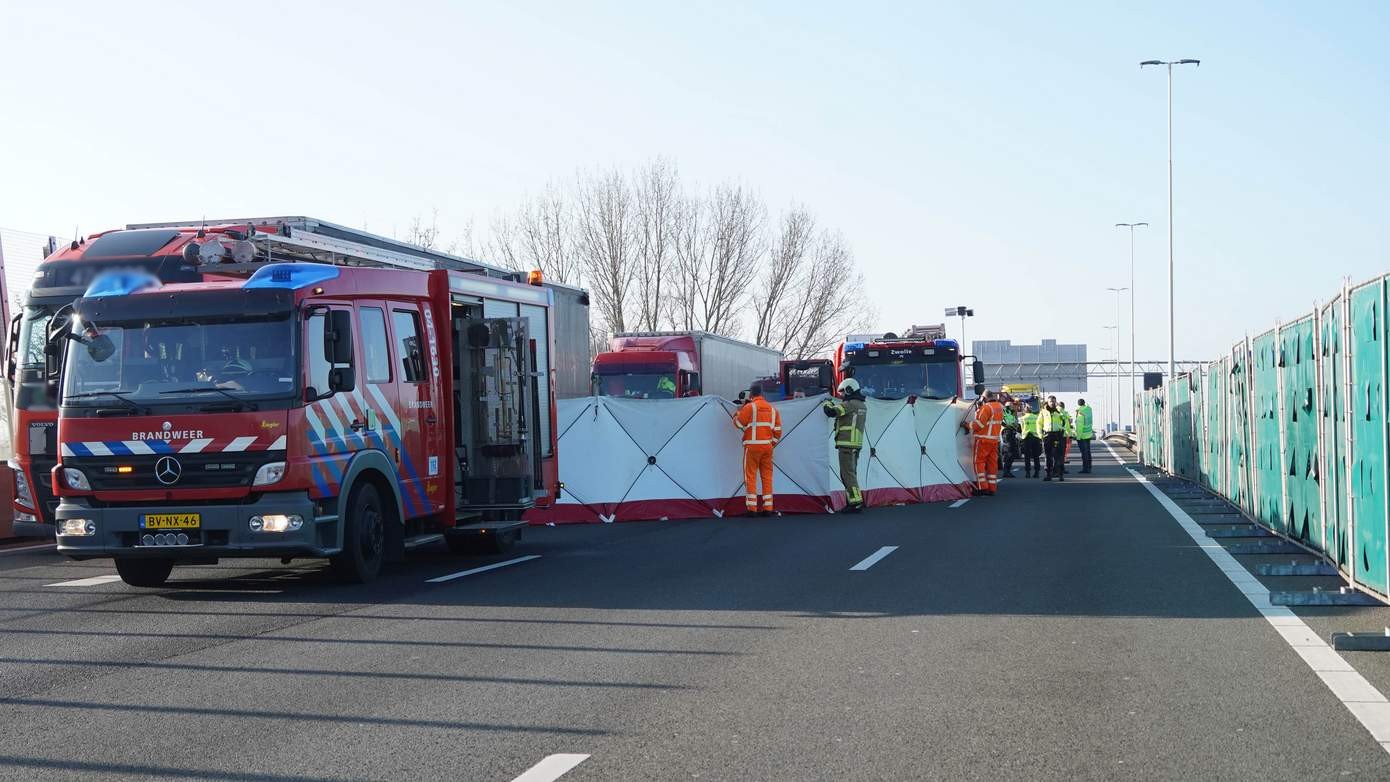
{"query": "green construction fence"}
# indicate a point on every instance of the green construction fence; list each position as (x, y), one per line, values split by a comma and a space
(1291, 428)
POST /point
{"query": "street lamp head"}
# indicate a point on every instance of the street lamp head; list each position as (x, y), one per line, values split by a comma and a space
(1152, 62)
(1189, 62)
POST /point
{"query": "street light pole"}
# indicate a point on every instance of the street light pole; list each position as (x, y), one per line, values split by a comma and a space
(1132, 389)
(1172, 363)
(1116, 328)
(1117, 292)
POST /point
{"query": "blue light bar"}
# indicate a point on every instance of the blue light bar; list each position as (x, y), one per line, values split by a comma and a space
(121, 283)
(291, 276)
(854, 346)
(946, 343)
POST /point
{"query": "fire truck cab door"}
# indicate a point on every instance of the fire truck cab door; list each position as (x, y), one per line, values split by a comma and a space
(417, 381)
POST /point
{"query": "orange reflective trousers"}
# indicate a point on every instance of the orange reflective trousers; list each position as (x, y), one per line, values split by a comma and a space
(757, 463)
(987, 463)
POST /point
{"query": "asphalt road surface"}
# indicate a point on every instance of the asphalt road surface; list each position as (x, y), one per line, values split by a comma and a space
(1057, 631)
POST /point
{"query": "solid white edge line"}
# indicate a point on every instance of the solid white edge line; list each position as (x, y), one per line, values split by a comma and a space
(483, 569)
(22, 549)
(873, 558)
(551, 768)
(1367, 704)
(87, 582)
(959, 503)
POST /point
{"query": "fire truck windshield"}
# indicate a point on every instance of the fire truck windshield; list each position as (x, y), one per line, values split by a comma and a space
(635, 381)
(179, 362)
(899, 379)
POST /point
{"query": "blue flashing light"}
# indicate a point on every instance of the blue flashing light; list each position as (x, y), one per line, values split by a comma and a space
(946, 343)
(291, 276)
(121, 283)
(854, 346)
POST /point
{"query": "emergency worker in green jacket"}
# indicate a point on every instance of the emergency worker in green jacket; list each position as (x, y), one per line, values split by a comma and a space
(850, 413)
(1083, 429)
(1031, 434)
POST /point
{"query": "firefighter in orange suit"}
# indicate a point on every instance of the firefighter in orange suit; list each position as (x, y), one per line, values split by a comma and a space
(985, 429)
(762, 428)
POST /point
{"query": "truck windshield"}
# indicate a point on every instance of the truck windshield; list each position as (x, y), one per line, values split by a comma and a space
(635, 382)
(899, 380)
(180, 362)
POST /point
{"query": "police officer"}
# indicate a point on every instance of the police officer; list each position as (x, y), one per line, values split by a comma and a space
(1012, 429)
(1031, 434)
(1053, 423)
(850, 413)
(1084, 432)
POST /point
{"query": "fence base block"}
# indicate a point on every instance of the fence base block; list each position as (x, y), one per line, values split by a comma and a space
(1296, 569)
(1347, 598)
(1221, 520)
(1271, 547)
(1361, 642)
(1242, 531)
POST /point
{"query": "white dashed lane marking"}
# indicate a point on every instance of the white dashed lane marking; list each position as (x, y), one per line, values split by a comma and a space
(88, 582)
(873, 558)
(551, 768)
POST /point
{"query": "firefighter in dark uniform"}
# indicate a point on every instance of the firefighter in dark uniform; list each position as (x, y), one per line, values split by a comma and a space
(850, 412)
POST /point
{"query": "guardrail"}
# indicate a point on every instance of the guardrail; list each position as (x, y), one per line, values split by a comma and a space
(1291, 427)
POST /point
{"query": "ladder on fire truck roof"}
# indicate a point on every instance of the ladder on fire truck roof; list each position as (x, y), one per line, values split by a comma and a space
(319, 241)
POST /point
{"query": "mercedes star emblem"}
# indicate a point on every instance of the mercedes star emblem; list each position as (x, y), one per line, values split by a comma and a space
(167, 470)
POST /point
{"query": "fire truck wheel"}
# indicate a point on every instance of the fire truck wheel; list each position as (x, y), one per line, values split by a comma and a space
(364, 537)
(144, 572)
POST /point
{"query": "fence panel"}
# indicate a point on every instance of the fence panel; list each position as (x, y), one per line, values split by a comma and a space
(1269, 475)
(1238, 450)
(1367, 409)
(1297, 375)
(1333, 420)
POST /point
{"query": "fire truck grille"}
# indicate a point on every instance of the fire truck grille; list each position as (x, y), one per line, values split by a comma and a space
(214, 470)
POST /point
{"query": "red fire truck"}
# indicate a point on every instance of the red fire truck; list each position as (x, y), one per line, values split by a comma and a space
(920, 363)
(316, 398)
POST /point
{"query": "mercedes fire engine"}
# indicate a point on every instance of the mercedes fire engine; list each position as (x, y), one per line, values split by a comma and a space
(306, 397)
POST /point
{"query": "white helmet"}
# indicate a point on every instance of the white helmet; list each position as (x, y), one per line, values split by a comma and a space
(847, 386)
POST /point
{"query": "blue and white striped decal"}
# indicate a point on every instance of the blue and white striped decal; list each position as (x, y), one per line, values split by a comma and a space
(159, 447)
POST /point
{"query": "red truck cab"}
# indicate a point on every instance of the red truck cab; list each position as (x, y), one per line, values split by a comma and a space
(921, 364)
(648, 367)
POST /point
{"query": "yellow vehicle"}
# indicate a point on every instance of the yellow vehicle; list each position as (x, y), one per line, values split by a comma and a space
(1029, 394)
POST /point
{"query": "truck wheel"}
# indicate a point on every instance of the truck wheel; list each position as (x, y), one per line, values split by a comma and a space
(144, 572)
(364, 537)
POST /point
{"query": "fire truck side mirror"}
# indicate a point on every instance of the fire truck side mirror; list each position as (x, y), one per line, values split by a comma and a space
(977, 373)
(12, 347)
(341, 379)
(337, 340)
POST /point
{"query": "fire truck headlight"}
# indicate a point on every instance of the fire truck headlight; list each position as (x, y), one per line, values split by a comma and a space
(20, 515)
(21, 487)
(77, 527)
(75, 479)
(269, 473)
(277, 522)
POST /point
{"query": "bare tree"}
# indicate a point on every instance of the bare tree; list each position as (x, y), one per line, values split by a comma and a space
(605, 235)
(719, 244)
(784, 269)
(657, 194)
(539, 236)
(422, 234)
(825, 301)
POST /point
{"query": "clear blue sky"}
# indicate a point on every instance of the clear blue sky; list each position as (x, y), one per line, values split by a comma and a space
(970, 155)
